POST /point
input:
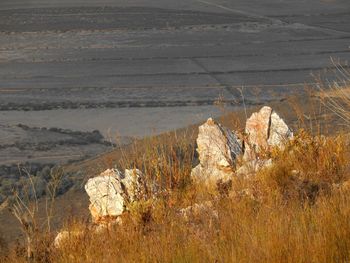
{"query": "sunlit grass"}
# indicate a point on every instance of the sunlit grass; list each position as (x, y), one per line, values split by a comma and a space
(295, 211)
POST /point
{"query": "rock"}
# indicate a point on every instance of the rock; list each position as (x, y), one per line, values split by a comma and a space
(105, 226)
(257, 128)
(106, 195)
(199, 210)
(134, 184)
(218, 148)
(111, 191)
(264, 129)
(64, 235)
(251, 167)
(137, 187)
(279, 131)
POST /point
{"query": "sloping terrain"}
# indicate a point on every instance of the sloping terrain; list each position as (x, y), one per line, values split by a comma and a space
(66, 61)
(137, 68)
(75, 201)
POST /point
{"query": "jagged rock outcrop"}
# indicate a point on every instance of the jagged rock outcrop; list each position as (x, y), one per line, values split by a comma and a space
(106, 195)
(218, 148)
(264, 129)
(279, 131)
(111, 191)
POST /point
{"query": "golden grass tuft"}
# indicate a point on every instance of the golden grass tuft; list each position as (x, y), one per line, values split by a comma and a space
(335, 94)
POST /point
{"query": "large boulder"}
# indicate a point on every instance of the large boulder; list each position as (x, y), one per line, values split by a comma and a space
(264, 129)
(218, 148)
(111, 191)
(106, 195)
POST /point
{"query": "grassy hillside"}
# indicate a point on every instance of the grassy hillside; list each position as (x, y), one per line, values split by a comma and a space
(298, 210)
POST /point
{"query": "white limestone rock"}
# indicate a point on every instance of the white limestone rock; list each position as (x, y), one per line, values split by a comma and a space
(111, 191)
(65, 235)
(106, 195)
(218, 148)
(279, 131)
(264, 129)
(134, 184)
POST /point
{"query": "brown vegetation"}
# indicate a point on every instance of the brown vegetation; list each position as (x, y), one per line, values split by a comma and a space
(298, 210)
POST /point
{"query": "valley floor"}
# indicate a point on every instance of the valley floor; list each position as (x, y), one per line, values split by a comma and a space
(140, 68)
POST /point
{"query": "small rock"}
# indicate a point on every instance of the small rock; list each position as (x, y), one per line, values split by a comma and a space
(64, 235)
(102, 227)
(252, 167)
(199, 210)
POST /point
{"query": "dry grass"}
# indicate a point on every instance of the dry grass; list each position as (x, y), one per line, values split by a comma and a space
(296, 211)
(335, 95)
